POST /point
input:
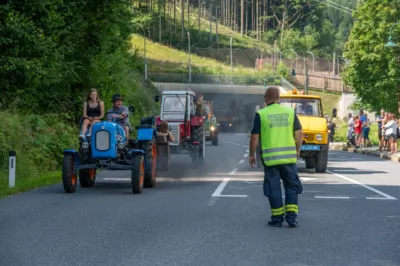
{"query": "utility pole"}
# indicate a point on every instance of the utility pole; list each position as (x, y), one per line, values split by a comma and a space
(242, 17)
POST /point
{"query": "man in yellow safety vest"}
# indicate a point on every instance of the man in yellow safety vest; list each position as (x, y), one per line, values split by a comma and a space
(281, 136)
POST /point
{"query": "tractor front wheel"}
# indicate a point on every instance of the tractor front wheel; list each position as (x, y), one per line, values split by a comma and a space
(214, 139)
(87, 177)
(137, 173)
(69, 177)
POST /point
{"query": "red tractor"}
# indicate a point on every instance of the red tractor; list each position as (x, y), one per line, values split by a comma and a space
(179, 109)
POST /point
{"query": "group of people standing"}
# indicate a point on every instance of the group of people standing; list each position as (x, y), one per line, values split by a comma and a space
(388, 132)
(360, 125)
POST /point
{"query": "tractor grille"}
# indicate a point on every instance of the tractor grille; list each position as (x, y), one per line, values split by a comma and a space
(175, 133)
(102, 140)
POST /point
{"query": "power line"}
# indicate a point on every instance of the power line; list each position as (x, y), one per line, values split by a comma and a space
(339, 5)
(338, 8)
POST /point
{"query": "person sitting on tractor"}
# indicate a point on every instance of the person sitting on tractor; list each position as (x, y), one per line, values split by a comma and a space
(163, 131)
(93, 111)
(123, 113)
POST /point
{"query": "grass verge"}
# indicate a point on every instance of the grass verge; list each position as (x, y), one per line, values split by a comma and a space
(25, 183)
(39, 142)
(164, 59)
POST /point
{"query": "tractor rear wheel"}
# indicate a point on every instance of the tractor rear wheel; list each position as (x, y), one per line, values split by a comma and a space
(198, 135)
(68, 176)
(137, 173)
(150, 150)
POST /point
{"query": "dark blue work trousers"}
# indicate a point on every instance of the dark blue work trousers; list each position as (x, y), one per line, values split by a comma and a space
(272, 190)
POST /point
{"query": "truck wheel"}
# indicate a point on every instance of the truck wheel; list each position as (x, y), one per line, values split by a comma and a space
(68, 177)
(150, 150)
(310, 163)
(87, 177)
(137, 173)
(321, 161)
(214, 139)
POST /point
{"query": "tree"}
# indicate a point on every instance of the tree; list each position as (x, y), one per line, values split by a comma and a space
(374, 70)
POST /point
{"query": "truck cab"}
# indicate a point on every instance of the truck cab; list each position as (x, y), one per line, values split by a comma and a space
(309, 110)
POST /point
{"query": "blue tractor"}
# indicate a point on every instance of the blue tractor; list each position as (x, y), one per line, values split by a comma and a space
(108, 148)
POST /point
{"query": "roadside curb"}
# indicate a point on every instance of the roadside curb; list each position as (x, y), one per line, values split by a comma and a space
(371, 153)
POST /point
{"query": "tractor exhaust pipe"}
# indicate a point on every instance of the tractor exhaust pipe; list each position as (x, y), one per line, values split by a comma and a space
(186, 111)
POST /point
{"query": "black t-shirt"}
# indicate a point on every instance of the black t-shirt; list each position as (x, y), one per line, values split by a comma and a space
(257, 124)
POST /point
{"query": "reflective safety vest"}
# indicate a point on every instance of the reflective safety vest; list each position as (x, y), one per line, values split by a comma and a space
(277, 140)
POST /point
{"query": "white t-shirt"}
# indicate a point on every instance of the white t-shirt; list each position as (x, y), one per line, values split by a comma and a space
(391, 127)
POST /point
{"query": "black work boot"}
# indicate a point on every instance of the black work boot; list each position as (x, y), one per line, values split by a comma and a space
(275, 223)
(292, 222)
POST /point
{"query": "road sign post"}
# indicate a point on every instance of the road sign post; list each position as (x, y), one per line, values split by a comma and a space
(11, 169)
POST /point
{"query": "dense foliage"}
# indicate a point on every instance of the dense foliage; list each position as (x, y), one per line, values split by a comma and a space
(54, 51)
(319, 26)
(374, 70)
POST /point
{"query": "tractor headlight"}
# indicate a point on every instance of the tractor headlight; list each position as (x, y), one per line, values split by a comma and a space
(85, 145)
(318, 137)
(212, 128)
(121, 145)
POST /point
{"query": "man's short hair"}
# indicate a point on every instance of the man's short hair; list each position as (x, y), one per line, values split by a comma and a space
(272, 94)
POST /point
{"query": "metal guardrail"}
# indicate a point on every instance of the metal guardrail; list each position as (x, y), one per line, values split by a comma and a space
(220, 79)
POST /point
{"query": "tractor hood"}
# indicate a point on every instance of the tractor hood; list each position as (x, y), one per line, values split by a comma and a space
(315, 124)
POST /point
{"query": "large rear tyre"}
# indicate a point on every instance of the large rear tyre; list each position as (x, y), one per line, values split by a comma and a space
(87, 177)
(310, 163)
(150, 149)
(198, 135)
(321, 161)
(137, 173)
(69, 178)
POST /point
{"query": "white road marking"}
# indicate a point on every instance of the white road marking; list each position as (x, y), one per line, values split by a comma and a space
(241, 161)
(388, 197)
(220, 188)
(307, 178)
(333, 197)
(245, 146)
(375, 198)
(245, 156)
(247, 150)
(233, 171)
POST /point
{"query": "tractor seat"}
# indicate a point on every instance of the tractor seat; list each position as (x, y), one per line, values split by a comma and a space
(149, 120)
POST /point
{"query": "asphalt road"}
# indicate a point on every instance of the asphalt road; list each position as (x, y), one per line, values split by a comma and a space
(214, 216)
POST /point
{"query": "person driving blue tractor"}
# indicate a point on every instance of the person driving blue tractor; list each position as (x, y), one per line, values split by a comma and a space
(122, 118)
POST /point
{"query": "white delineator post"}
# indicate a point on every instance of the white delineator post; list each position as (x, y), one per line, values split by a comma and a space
(12, 166)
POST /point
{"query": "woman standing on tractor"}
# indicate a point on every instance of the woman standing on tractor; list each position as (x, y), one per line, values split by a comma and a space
(93, 111)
